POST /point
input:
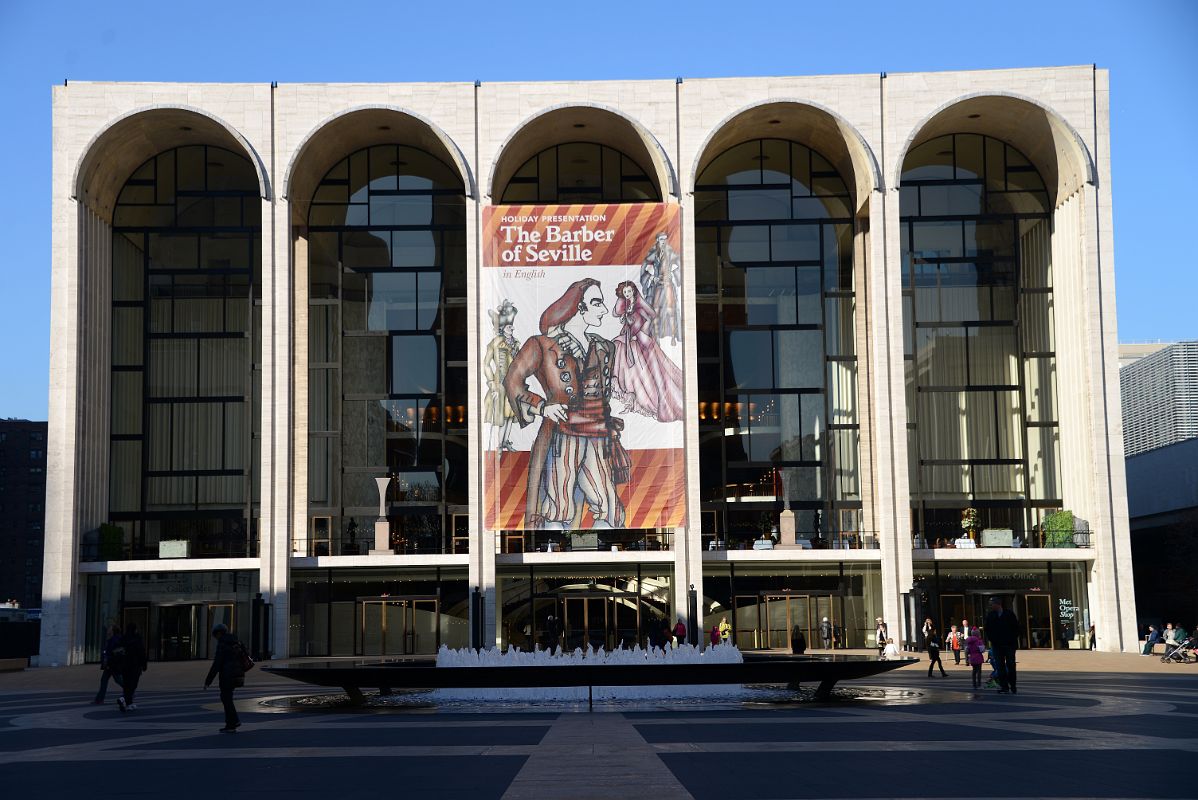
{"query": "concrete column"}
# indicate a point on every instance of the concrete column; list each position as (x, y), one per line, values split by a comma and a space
(277, 469)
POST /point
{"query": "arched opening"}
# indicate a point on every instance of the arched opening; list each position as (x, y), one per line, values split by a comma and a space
(186, 258)
(979, 338)
(384, 256)
(580, 172)
(585, 152)
(777, 357)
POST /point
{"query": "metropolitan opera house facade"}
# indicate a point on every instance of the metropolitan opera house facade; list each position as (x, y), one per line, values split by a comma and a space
(368, 369)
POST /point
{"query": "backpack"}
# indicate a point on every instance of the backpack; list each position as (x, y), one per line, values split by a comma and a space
(244, 659)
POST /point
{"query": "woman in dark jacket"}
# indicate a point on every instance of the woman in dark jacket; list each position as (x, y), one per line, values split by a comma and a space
(932, 643)
(226, 665)
(134, 661)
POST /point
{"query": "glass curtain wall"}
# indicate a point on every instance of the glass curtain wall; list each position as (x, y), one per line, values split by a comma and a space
(777, 362)
(186, 327)
(387, 351)
(580, 172)
(978, 338)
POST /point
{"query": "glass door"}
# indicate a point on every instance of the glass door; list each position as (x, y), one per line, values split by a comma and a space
(177, 632)
(1039, 621)
(777, 618)
(952, 611)
(398, 626)
(747, 612)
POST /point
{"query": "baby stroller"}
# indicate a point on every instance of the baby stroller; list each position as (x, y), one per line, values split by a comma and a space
(1184, 653)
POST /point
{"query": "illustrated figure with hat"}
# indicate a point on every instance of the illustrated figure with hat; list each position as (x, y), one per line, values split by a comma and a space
(502, 349)
(577, 459)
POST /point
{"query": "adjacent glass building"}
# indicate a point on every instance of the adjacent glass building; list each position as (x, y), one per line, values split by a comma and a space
(269, 381)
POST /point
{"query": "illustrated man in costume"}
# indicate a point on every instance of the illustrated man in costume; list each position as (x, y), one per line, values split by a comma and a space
(661, 285)
(497, 409)
(577, 459)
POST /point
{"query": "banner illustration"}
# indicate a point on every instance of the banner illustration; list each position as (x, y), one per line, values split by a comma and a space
(584, 389)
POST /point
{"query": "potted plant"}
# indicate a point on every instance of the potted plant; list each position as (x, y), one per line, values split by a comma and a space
(969, 522)
(1058, 529)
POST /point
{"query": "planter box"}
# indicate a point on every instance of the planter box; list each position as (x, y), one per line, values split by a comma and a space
(174, 548)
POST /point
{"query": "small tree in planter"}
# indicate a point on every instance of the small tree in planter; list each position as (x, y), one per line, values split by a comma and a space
(1058, 529)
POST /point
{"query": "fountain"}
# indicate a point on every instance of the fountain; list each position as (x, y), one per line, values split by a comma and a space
(636, 656)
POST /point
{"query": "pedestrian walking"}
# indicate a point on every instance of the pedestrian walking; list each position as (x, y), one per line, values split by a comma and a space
(134, 661)
(228, 665)
(931, 641)
(923, 631)
(825, 633)
(954, 642)
(1091, 635)
(975, 656)
(715, 635)
(880, 635)
(1002, 631)
(725, 630)
(679, 632)
(110, 668)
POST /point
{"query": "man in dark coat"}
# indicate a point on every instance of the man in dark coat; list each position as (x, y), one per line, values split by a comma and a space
(226, 665)
(1002, 632)
(134, 660)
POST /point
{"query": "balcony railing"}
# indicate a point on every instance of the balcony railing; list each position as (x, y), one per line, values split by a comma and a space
(950, 539)
(361, 544)
(804, 540)
(125, 547)
(584, 541)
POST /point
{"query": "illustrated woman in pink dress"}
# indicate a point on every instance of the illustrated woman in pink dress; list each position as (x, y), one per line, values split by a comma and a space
(644, 377)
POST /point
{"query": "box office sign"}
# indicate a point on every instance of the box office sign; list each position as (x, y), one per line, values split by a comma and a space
(583, 366)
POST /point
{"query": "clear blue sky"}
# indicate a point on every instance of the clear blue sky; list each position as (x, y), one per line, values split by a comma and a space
(1150, 47)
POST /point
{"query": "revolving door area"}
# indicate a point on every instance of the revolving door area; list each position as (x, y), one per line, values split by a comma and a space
(398, 626)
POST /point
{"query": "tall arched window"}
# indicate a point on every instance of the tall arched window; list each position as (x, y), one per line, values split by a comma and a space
(387, 351)
(580, 172)
(186, 322)
(776, 352)
(978, 337)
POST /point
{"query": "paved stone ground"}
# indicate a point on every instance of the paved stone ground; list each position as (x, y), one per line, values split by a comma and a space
(1082, 725)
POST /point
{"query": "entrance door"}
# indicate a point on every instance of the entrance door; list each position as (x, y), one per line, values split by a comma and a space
(177, 629)
(787, 615)
(398, 626)
(1039, 621)
(952, 611)
(587, 622)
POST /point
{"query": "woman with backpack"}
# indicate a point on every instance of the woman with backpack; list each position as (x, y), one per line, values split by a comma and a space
(975, 655)
(229, 664)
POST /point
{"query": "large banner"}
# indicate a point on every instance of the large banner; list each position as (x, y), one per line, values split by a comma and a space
(583, 367)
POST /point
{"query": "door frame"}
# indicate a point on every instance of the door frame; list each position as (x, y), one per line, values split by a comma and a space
(407, 603)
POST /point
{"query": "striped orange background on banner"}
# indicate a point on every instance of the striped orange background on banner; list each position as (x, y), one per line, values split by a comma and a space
(656, 497)
(636, 225)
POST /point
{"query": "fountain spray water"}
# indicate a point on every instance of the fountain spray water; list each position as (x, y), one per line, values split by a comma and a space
(514, 657)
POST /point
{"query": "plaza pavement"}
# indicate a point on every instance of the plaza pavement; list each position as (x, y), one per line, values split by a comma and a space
(1082, 725)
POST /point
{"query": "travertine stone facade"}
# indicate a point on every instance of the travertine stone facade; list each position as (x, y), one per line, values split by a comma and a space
(864, 124)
